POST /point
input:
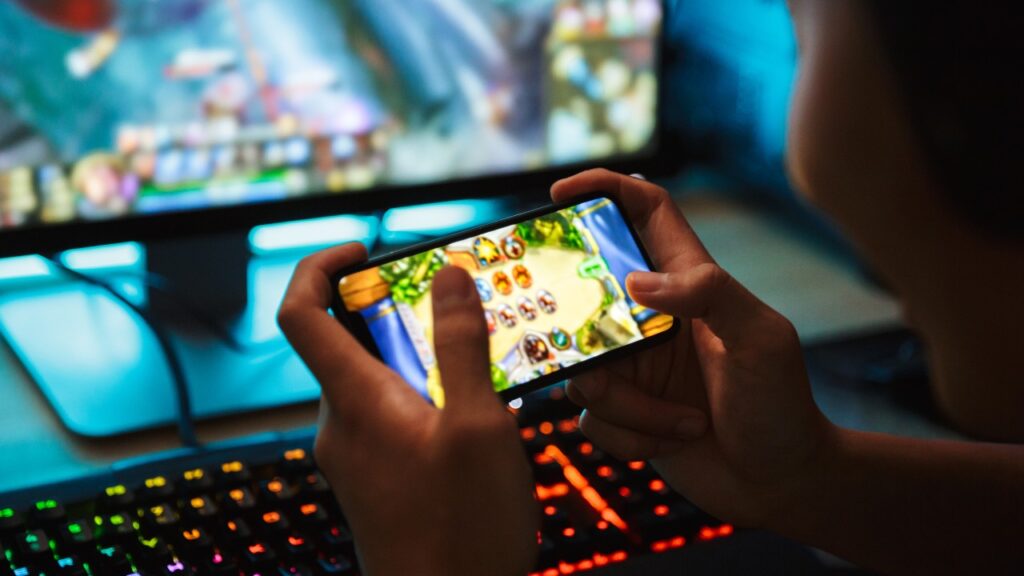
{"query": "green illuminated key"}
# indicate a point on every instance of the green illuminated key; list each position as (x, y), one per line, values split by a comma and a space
(48, 511)
(10, 520)
(33, 545)
(77, 534)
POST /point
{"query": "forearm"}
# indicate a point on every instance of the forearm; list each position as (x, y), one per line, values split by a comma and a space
(901, 505)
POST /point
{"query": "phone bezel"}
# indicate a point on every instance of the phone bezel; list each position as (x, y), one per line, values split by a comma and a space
(355, 324)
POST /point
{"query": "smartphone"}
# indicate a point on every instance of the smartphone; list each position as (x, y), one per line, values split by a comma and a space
(552, 283)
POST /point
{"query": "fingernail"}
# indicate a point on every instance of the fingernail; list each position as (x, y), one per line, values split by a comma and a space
(693, 427)
(646, 281)
(638, 176)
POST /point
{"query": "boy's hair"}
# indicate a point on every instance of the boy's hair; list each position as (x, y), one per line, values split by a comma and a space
(959, 67)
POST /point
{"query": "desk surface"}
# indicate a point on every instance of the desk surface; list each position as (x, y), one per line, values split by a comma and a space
(794, 272)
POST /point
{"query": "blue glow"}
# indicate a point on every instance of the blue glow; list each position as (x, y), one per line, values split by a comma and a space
(440, 218)
(126, 255)
(315, 233)
(24, 267)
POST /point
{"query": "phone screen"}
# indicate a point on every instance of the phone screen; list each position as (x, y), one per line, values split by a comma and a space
(552, 288)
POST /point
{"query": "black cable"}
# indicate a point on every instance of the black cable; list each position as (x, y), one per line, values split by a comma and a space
(174, 295)
(186, 426)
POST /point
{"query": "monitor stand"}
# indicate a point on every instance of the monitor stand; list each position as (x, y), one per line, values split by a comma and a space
(102, 370)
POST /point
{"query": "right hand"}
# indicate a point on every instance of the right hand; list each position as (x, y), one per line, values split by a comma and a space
(735, 366)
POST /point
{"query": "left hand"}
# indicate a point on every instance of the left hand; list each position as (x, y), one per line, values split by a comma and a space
(426, 491)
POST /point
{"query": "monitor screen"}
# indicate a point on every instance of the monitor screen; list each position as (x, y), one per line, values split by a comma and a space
(113, 109)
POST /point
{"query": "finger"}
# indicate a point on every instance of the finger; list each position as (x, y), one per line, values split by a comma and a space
(461, 343)
(628, 407)
(706, 292)
(663, 229)
(348, 374)
(626, 444)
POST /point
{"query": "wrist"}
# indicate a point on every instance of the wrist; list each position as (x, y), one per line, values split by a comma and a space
(805, 502)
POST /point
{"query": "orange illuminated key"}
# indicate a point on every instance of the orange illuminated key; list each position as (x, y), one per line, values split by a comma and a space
(259, 555)
(277, 490)
(236, 531)
(297, 461)
(275, 521)
(298, 545)
(239, 500)
(234, 473)
(201, 507)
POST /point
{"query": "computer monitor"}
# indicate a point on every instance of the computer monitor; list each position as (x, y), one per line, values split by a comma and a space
(139, 120)
(168, 122)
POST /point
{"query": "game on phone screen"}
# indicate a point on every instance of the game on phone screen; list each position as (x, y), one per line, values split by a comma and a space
(552, 289)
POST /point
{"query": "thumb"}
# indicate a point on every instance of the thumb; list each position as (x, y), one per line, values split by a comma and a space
(460, 341)
(706, 292)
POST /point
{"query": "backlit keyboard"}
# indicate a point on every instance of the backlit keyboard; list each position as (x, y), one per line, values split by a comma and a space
(243, 516)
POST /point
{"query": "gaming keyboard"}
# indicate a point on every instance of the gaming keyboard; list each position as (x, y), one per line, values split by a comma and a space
(265, 510)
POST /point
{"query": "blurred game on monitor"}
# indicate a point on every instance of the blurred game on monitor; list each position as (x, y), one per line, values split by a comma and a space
(114, 108)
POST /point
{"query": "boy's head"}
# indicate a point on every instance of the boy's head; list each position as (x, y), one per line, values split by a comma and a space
(903, 123)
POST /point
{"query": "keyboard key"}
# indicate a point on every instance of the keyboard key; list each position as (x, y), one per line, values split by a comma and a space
(195, 541)
(234, 473)
(259, 556)
(175, 568)
(11, 521)
(312, 516)
(33, 546)
(77, 535)
(111, 560)
(156, 489)
(217, 564)
(117, 497)
(115, 529)
(194, 545)
(274, 522)
(277, 491)
(70, 566)
(235, 532)
(297, 461)
(195, 480)
(239, 501)
(201, 509)
(154, 552)
(161, 519)
(338, 564)
(337, 539)
(48, 512)
(315, 485)
(298, 546)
